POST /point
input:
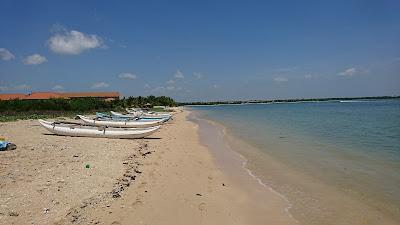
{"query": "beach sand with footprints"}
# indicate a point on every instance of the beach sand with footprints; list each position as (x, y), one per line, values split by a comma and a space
(167, 178)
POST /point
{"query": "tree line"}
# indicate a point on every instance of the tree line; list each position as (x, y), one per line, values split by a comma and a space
(82, 104)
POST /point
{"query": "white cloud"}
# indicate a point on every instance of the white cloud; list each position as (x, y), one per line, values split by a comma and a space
(146, 86)
(15, 88)
(127, 76)
(73, 42)
(215, 86)
(308, 76)
(348, 72)
(170, 88)
(281, 79)
(34, 59)
(158, 90)
(198, 75)
(171, 82)
(58, 87)
(179, 75)
(6, 55)
(100, 85)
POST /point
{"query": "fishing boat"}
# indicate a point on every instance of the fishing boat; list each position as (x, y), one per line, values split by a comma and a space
(120, 123)
(104, 116)
(117, 114)
(140, 117)
(134, 111)
(149, 114)
(81, 130)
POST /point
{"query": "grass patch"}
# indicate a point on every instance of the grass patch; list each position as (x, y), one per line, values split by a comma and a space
(14, 116)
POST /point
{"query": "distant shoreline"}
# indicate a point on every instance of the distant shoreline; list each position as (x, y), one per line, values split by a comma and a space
(287, 100)
(312, 170)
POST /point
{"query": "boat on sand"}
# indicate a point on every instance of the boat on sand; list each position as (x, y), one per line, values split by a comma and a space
(121, 123)
(140, 117)
(139, 112)
(81, 130)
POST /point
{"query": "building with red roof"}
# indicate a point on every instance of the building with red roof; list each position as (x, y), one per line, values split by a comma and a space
(11, 96)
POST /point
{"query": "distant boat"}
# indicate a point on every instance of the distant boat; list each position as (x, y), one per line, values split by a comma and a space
(139, 112)
(121, 123)
(140, 117)
(104, 116)
(117, 114)
(79, 130)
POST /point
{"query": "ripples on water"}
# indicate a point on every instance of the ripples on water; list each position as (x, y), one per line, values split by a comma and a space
(354, 145)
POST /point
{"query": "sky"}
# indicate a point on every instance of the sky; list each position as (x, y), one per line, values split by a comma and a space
(202, 50)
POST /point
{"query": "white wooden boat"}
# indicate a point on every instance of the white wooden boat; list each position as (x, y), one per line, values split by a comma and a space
(117, 114)
(156, 115)
(79, 130)
(149, 114)
(134, 112)
(121, 123)
(141, 117)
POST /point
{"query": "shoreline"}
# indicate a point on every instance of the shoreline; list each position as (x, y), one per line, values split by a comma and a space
(287, 181)
(169, 178)
(224, 145)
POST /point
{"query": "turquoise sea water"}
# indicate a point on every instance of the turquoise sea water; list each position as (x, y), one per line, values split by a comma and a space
(353, 146)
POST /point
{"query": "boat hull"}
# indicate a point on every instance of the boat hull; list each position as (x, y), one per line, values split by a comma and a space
(116, 123)
(148, 114)
(97, 132)
(143, 117)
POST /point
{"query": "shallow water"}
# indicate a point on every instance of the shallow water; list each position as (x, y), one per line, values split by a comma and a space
(337, 162)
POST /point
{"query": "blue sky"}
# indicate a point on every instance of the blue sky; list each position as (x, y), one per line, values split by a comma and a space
(202, 50)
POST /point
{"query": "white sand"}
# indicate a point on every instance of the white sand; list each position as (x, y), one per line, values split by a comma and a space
(170, 179)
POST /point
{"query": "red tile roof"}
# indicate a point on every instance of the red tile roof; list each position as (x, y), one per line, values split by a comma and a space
(43, 95)
(11, 96)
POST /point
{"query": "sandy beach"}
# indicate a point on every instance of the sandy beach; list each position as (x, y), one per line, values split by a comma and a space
(169, 178)
(200, 113)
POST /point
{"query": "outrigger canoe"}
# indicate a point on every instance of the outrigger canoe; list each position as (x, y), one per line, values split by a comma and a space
(120, 115)
(140, 117)
(121, 123)
(147, 114)
(81, 130)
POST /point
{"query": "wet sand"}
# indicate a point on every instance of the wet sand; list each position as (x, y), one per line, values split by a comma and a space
(309, 200)
(169, 178)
